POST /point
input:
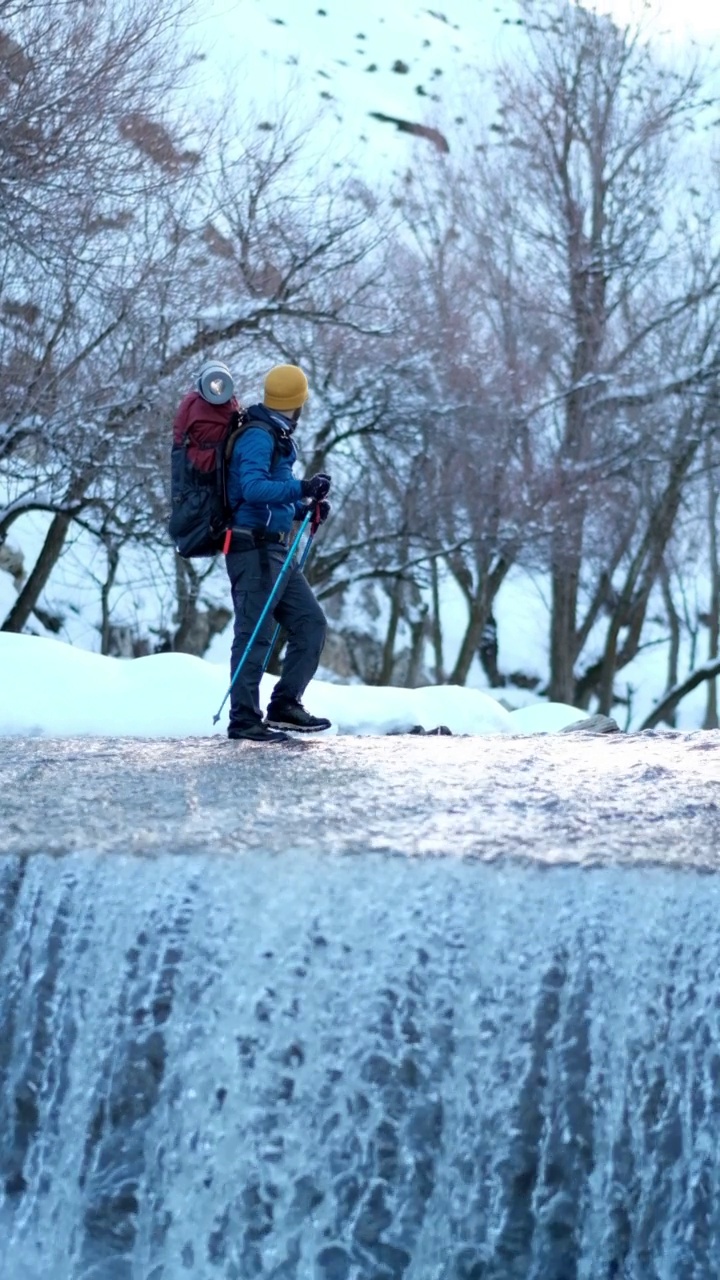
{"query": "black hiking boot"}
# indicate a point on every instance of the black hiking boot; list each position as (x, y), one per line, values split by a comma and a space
(292, 715)
(257, 733)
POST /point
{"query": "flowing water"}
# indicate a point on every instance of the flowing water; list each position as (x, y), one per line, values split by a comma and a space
(360, 1010)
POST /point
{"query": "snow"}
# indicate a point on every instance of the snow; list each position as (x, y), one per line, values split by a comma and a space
(142, 601)
(53, 689)
(544, 717)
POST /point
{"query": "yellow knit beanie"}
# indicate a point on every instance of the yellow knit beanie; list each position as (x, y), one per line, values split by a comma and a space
(286, 387)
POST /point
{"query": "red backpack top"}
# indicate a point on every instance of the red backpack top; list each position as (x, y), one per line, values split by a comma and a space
(202, 427)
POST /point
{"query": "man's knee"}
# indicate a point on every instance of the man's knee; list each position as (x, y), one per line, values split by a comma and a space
(309, 620)
(317, 627)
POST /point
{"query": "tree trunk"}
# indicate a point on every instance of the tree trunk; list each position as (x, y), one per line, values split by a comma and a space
(711, 709)
(188, 589)
(418, 629)
(480, 607)
(674, 624)
(563, 631)
(633, 601)
(437, 633)
(113, 556)
(470, 641)
(671, 699)
(587, 296)
(489, 653)
(387, 665)
(46, 561)
(566, 557)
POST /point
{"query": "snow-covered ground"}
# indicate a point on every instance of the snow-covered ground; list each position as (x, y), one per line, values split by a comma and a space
(142, 601)
(55, 689)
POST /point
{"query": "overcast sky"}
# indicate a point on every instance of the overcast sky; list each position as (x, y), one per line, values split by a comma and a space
(403, 58)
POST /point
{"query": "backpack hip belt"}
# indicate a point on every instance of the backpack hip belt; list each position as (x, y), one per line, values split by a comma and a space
(245, 539)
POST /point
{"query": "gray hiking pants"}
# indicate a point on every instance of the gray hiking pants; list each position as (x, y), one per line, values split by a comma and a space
(252, 574)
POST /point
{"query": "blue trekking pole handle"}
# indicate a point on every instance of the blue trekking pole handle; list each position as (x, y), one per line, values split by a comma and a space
(263, 615)
(301, 565)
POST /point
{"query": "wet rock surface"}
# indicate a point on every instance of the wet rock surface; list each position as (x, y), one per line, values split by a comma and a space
(555, 798)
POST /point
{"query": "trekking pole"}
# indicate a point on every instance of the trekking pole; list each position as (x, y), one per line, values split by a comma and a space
(315, 525)
(286, 565)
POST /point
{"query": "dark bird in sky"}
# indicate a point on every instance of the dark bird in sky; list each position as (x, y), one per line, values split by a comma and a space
(434, 136)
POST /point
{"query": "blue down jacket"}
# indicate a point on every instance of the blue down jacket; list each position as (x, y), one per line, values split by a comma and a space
(264, 494)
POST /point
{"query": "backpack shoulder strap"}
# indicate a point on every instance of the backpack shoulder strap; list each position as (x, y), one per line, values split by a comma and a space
(244, 424)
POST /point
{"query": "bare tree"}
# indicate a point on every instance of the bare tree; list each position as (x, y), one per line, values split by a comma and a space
(593, 126)
(87, 154)
(713, 541)
(220, 253)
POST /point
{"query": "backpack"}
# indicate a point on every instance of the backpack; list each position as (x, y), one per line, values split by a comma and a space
(204, 436)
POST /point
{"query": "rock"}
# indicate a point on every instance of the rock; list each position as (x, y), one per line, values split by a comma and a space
(441, 731)
(592, 724)
(11, 560)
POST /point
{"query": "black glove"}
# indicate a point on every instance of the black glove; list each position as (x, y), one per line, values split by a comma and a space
(316, 487)
(322, 511)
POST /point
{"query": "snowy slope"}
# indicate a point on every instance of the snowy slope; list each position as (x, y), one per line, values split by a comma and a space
(59, 690)
(145, 606)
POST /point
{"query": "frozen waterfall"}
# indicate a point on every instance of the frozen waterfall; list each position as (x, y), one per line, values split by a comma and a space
(357, 1068)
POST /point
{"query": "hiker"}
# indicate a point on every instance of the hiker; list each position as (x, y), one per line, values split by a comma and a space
(264, 499)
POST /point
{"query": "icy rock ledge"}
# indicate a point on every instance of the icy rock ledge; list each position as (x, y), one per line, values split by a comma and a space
(440, 731)
(592, 724)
